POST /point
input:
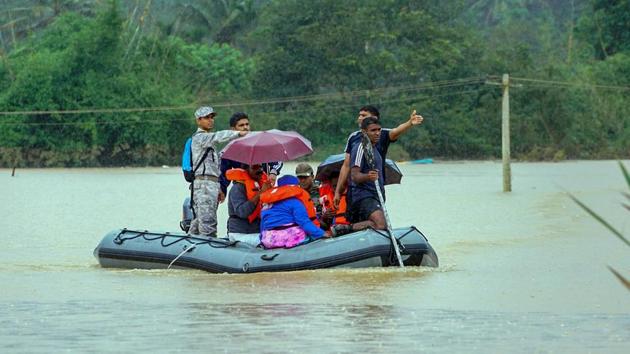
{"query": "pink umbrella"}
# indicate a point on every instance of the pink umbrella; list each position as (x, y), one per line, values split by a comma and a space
(267, 146)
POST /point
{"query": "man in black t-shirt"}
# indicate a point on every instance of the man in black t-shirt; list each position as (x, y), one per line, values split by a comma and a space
(386, 137)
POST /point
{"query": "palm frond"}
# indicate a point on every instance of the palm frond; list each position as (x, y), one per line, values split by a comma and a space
(623, 280)
(625, 173)
(600, 219)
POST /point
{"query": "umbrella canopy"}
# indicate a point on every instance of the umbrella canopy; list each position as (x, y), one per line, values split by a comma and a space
(333, 164)
(267, 146)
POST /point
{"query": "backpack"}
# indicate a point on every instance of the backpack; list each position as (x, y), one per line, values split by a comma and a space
(189, 174)
(187, 168)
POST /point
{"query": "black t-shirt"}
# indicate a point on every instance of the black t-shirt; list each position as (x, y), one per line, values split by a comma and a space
(367, 189)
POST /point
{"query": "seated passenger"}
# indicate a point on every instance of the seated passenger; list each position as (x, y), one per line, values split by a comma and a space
(244, 199)
(287, 216)
(330, 214)
(304, 173)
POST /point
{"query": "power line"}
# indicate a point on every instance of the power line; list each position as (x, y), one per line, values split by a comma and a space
(570, 84)
(98, 110)
(364, 92)
(418, 97)
(305, 98)
(338, 95)
(562, 87)
(87, 123)
(433, 85)
(262, 114)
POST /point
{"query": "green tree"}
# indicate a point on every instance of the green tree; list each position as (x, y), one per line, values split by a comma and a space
(214, 21)
(324, 46)
(78, 63)
(607, 27)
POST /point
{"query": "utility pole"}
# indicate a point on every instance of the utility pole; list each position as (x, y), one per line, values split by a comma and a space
(505, 129)
(505, 134)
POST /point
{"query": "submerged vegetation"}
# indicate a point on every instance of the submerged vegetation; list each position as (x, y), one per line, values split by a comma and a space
(109, 83)
(611, 228)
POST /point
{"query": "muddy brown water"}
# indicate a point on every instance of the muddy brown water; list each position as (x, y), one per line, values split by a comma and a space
(520, 272)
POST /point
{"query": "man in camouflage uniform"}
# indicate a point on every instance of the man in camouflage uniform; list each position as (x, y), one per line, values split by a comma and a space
(205, 162)
(305, 175)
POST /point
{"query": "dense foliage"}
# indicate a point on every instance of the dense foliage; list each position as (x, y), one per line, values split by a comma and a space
(116, 84)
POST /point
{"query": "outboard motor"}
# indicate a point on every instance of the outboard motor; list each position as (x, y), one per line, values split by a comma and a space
(186, 215)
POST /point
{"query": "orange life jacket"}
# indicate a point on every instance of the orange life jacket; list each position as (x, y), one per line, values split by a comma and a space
(252, 187)
(327, 194)
(285, 192)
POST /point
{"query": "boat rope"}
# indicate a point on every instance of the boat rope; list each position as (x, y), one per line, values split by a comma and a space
(409, 232)
(416, 229)
(152, 236)
(393, 258)
(182, 253)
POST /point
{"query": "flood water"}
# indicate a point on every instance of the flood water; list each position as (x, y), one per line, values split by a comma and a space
(519, 272)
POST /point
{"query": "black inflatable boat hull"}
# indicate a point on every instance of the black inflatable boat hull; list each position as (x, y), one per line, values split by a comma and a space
(153, 250)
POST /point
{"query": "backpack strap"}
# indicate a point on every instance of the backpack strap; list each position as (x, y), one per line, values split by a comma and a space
(192, 189)
(203, 157)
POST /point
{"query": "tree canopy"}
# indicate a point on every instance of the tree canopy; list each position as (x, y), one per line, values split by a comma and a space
(93, 84)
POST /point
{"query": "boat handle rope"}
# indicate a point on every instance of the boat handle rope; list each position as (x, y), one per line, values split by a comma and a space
(393, 257)
(409, 232)
(400, 244)
(214, 243)
(266, 257)
(420, 232)
(145, 235)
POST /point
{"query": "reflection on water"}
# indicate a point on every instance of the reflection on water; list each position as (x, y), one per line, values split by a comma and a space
(310, 328)
(519, 272)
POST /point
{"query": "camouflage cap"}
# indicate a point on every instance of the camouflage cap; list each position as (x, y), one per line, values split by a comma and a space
(203, 111)
(303, 170)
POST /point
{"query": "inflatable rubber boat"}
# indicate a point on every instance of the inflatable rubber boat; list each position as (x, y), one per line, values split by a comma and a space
(125, 248)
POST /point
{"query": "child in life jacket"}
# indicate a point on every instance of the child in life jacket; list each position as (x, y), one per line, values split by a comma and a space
(288, 217)
(331, 215)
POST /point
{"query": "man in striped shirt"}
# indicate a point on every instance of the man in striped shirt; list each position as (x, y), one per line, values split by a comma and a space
(366, 209)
